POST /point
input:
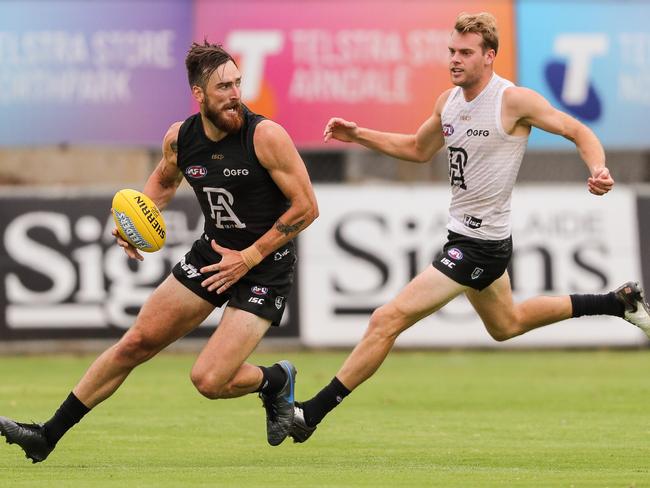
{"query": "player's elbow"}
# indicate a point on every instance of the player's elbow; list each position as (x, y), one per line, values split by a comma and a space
(422, 154)
(415, 157)
(313, 212)
(310, 212)
(160, 192)
(424, 158)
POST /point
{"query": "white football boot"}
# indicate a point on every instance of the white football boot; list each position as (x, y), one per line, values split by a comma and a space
(637, 311)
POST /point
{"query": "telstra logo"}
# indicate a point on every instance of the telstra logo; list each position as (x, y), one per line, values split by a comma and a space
(254, 46)
(570, 80)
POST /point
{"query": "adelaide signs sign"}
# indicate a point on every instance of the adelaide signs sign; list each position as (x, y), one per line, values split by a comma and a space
(370, 241)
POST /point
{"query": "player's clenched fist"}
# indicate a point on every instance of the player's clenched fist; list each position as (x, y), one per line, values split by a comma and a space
(340, 129)
(601, 182)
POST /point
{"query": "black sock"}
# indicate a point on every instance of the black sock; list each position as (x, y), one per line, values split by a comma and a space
(274, 379)
(606, 304)
(69, 413)
(324, 401)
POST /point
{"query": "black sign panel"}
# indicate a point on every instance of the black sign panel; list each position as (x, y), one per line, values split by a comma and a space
(63, 277)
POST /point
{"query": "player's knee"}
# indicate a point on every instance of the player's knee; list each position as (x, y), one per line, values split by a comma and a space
(134, 349)
(209, 386)
(386, 322)
(499, 334)
(204, 386)
(504, 330)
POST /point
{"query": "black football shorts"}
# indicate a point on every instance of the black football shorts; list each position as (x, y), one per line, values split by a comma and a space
(263, 291)
(473, 262)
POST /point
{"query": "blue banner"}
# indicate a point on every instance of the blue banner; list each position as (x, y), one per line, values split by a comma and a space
(591, 60)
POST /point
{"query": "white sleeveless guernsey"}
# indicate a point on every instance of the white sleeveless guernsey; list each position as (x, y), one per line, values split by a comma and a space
(483, 162)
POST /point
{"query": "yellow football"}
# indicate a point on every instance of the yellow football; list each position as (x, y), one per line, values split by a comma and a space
(138, 220)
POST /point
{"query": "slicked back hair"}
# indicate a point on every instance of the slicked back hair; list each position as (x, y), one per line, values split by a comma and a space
(202, 60)
(482, 23)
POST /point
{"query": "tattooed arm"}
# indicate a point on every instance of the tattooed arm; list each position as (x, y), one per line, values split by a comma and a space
(289, 229)
(277, 153)
(165, 178)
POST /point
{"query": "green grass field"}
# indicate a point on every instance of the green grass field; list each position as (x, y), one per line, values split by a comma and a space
(448, 419)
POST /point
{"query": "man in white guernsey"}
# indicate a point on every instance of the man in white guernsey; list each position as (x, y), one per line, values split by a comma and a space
(484, 122)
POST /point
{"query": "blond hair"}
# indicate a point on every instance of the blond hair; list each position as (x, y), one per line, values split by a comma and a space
(482, 23)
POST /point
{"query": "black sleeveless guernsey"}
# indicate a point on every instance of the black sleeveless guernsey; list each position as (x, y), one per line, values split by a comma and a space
(238, 198)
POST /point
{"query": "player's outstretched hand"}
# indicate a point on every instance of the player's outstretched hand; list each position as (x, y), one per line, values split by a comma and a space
(340, 129)
(226, 272)
(130, 251)
(601, 182)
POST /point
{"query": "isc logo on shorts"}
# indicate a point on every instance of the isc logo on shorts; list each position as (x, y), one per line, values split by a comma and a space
(256, 300)
(450, 264)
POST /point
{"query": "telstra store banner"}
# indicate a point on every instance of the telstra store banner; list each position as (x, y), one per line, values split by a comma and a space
(92, 72)
(592, 60)
(381, 63)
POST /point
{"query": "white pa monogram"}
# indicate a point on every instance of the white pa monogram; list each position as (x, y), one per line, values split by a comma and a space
(221, 201)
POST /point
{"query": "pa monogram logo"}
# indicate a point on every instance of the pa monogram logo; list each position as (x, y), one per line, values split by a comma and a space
(457, 163)
(221, 202)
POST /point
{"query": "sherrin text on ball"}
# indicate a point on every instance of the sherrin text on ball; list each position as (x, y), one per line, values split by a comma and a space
(138, 220)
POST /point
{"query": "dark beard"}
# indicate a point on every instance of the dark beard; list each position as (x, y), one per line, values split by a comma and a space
(224, 122)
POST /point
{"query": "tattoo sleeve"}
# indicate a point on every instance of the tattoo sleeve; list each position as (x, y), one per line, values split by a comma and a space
(289, 229)
(168, 180)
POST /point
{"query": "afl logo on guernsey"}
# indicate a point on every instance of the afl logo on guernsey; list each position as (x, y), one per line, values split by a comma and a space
(196, 171)
(447, 129)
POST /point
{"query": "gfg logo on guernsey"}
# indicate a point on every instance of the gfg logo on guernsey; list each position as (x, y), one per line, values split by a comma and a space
(570, 80)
